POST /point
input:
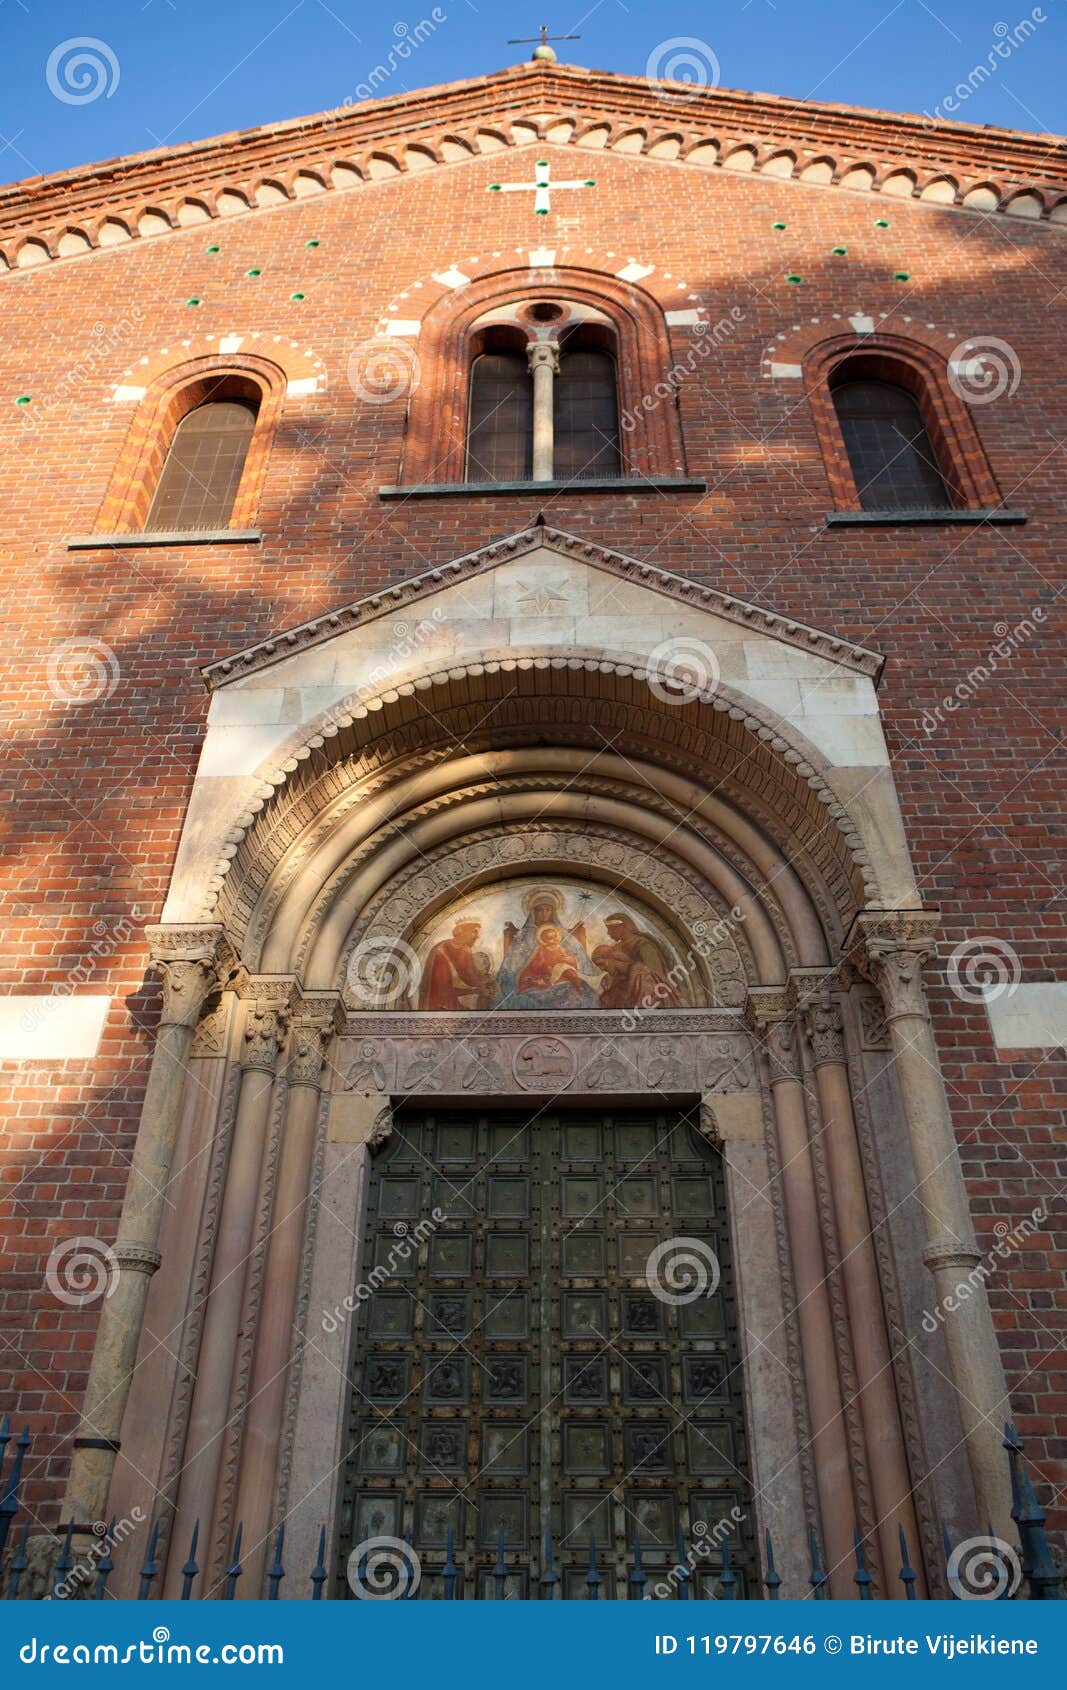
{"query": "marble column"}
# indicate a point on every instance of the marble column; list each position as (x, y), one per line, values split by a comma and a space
(187, 960)
(890, 947)
(315, 1021)
(543, 358)
(820, 1015)
(266, 1012)
(771, 1016)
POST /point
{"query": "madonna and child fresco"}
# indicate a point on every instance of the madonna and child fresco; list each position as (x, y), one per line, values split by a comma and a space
(536, 946)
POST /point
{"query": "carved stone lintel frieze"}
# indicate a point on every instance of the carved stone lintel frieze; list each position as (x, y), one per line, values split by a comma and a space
(770, 1015)
(890, 948)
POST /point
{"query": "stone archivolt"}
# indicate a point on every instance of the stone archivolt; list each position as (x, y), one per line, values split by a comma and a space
(679, 750)
(76, 212)
(436, 880)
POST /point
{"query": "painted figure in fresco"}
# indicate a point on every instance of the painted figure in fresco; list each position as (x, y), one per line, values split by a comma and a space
(454, 976)
(545, 967)
(636, 968)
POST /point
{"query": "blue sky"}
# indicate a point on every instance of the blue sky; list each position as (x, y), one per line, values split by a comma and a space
(167, 71)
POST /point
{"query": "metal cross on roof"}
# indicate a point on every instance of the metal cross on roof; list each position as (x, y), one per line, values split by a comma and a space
(542, 40)
(540, 187)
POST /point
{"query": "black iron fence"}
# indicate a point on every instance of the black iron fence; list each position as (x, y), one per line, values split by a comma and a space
(984, 1567)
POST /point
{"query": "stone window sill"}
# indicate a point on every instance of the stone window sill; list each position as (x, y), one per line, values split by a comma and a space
(166, 537)
(921, 518)
(612, 484)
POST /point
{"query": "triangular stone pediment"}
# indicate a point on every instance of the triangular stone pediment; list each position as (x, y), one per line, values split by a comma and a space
(540, 589)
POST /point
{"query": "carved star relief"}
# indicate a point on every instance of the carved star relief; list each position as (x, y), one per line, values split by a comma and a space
(541, 600)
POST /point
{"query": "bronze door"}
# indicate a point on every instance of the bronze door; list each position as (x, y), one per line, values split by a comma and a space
(516, 1373)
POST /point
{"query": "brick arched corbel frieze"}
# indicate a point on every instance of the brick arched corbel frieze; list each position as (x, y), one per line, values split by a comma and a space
(671, 138)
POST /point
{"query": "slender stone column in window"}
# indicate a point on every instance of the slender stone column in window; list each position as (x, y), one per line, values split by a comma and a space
(821, 1018)
(543, 357)
(187, 959)
(315, 1021)
(771, 1017)
(890, 947)
(266, 1012)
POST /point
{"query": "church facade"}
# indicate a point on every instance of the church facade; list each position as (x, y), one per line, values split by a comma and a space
(534, 940)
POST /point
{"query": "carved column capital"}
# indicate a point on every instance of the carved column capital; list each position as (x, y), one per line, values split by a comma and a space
(890, 948)
(268, 1010)
(542, 354)
(819, 1012)
(771, 1016)
(314, 1023)
(188, 960)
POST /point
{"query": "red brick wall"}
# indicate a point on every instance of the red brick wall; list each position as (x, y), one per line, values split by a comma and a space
(94, 793)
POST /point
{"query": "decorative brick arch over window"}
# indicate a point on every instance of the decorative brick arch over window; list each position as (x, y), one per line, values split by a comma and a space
(255, 381)
(922, 373)
(633, 331)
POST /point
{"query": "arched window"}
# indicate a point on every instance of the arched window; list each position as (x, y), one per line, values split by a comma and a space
(200, 477)
(893, 462)
(586, 416)
(500, 429)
